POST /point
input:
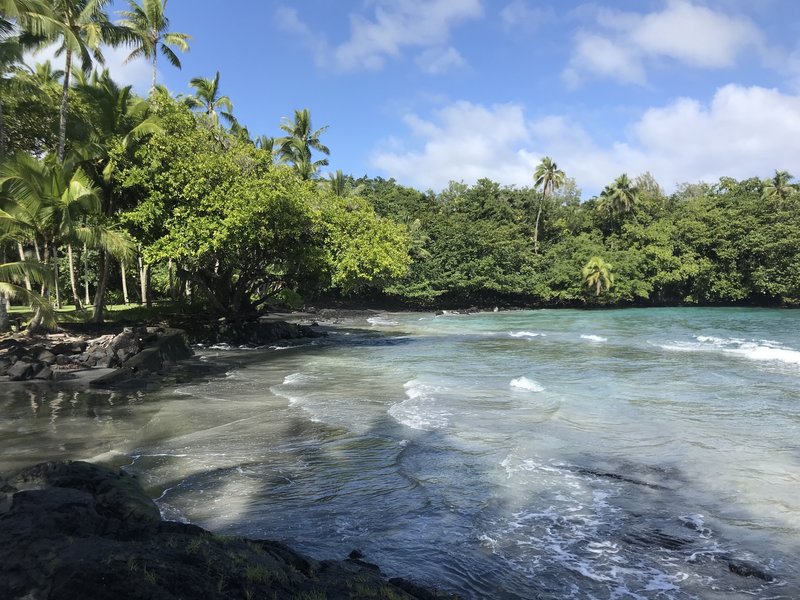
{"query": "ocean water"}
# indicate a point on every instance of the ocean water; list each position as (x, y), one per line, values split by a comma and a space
(642, 453)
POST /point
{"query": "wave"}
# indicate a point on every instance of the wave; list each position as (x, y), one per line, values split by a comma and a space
(381, 321)
(523, 383)
(420, 409)
(757, 350)
(594, 338)
(525, 334)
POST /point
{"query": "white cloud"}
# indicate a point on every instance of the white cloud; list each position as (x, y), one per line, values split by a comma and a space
(137, 73)
(520, 15)
(741, 132)
(691, 34)
(602, 57)
(435, 61)
(395, 26)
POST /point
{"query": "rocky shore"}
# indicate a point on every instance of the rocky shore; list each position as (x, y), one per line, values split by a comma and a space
(63, 356)
(75, 530)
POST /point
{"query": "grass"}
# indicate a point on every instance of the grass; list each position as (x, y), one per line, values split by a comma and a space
(114, 313)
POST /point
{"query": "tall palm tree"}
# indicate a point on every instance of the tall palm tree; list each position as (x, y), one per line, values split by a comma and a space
(779, 187)
(207, 99)
(150, 28)
(598, 275)
(338, 183)
(79, 27)
(296, 147)
(547, 177)
(623, 195)
(49, 202)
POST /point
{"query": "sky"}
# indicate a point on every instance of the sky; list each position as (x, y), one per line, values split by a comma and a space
(429, 91)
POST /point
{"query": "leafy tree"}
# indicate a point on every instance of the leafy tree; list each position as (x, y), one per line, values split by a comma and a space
(598, 275)
(150, 29)
(296, 147)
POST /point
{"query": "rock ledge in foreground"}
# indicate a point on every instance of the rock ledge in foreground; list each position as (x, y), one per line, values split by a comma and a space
(74, 530)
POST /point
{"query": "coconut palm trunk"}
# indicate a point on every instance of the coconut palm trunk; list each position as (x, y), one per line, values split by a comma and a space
(87, 300)
(124, 282)
(5, 323)
(22, 257)
(99, 295)
(56, 286)
(62, 120)
(73, 280)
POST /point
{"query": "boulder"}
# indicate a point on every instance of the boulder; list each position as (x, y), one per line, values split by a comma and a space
(22, 370)
(78, 531)
(44, 373)
(46, 357)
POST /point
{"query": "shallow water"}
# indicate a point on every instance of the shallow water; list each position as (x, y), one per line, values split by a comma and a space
(555, 454)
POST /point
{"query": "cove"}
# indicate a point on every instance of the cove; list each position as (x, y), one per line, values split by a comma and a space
(648, 453)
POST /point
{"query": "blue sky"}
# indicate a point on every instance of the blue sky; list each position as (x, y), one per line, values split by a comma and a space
(428, 91)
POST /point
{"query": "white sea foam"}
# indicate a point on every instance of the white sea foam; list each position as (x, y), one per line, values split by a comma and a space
(529, 385)
(594, 338)
(758, 350)
(381, 321)
(525, 334)
(421, 409)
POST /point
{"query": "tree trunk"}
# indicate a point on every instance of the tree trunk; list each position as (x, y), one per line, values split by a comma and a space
(22, 257)
(87, 301)
(62, 121)
(99, 295)
(55, 268)
(536, 230)
(124, 282)
(2, 133)
(142, 285)
(5, 324)
(172, 290)
(148, 292)
(73, 281)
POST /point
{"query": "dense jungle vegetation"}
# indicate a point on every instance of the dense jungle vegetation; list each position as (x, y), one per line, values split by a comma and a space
(108, 197)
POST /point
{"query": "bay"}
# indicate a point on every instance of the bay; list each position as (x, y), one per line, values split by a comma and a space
(639, 453)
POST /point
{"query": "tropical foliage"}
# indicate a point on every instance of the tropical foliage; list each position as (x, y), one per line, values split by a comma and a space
(101, 188)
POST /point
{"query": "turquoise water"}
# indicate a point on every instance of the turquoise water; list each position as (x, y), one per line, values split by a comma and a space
(555, 454)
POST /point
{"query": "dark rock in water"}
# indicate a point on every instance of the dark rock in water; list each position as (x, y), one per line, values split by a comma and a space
(242, 332)
(355, 554)
(746, 568)
(79, 531)
(167, 348)
(21, 370)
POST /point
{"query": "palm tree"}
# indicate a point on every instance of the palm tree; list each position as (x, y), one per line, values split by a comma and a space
(338, 183)
(207, 99)
(779, 187)
(79, 27)
(267, 144)
(623, 195)
(10, 275)
(150, 27)
(598, 275)
(549, 178)
(295, 148)
(50, 201)
(43, 76)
